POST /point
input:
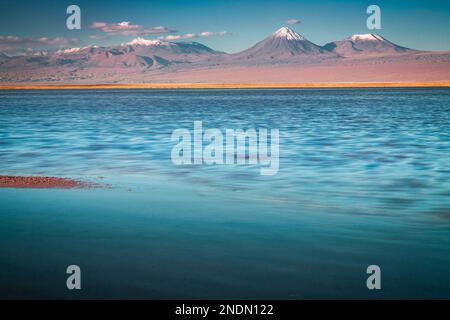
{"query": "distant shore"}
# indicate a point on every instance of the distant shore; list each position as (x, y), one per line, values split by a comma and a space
(227, 85)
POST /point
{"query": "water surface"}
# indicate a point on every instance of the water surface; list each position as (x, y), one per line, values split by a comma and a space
(364, 179)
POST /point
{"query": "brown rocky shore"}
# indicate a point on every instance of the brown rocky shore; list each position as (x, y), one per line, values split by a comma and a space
(37, 182)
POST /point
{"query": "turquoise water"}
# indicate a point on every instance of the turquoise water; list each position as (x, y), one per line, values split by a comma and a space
(364, 179)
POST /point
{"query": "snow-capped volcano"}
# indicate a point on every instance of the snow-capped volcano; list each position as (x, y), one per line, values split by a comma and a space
(283, 45)
(368, 44)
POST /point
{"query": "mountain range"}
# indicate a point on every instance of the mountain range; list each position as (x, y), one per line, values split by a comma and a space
(284, 56)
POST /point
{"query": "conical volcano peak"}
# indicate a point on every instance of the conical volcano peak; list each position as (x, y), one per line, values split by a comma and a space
(288, 34)
(281, 46)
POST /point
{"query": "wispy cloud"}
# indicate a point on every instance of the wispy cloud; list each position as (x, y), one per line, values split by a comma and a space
(126, 28)
(193, 35)
(98, 37)
(293, 21)
(14, 43)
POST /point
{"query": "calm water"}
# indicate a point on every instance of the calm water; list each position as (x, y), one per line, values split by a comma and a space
(364, 179)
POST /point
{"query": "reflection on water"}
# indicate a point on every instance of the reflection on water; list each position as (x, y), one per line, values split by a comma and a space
(364, 179)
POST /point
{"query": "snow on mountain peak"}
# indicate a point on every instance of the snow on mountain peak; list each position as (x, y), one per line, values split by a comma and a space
(74, 50)
(366, 37)
(69, 50)
(144, 42)
(287, 33)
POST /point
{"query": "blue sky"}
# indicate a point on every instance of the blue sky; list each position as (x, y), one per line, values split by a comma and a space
(416, 24)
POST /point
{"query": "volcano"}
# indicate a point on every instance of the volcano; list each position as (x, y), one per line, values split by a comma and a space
(284, 45)
(365, 44)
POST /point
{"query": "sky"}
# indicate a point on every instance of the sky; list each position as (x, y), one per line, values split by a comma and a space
(229, 26)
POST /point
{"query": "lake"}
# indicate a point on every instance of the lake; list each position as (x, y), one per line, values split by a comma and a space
(363, 179)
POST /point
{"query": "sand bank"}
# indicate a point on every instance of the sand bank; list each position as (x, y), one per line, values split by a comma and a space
(41, 182)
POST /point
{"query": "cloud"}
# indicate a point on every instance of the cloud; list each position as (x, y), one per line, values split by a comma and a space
(193, 35)
(56, 41)
(18, 41)
(179, 37)
(293, 21)
(126, 28)
(14, 43)
(98, 37)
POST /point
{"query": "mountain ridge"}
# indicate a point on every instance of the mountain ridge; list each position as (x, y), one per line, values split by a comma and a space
(142, 59)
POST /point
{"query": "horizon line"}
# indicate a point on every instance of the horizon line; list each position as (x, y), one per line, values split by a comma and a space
(286, 85)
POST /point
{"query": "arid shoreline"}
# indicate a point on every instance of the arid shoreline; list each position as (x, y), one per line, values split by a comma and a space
(227, 85)
(40, 182)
